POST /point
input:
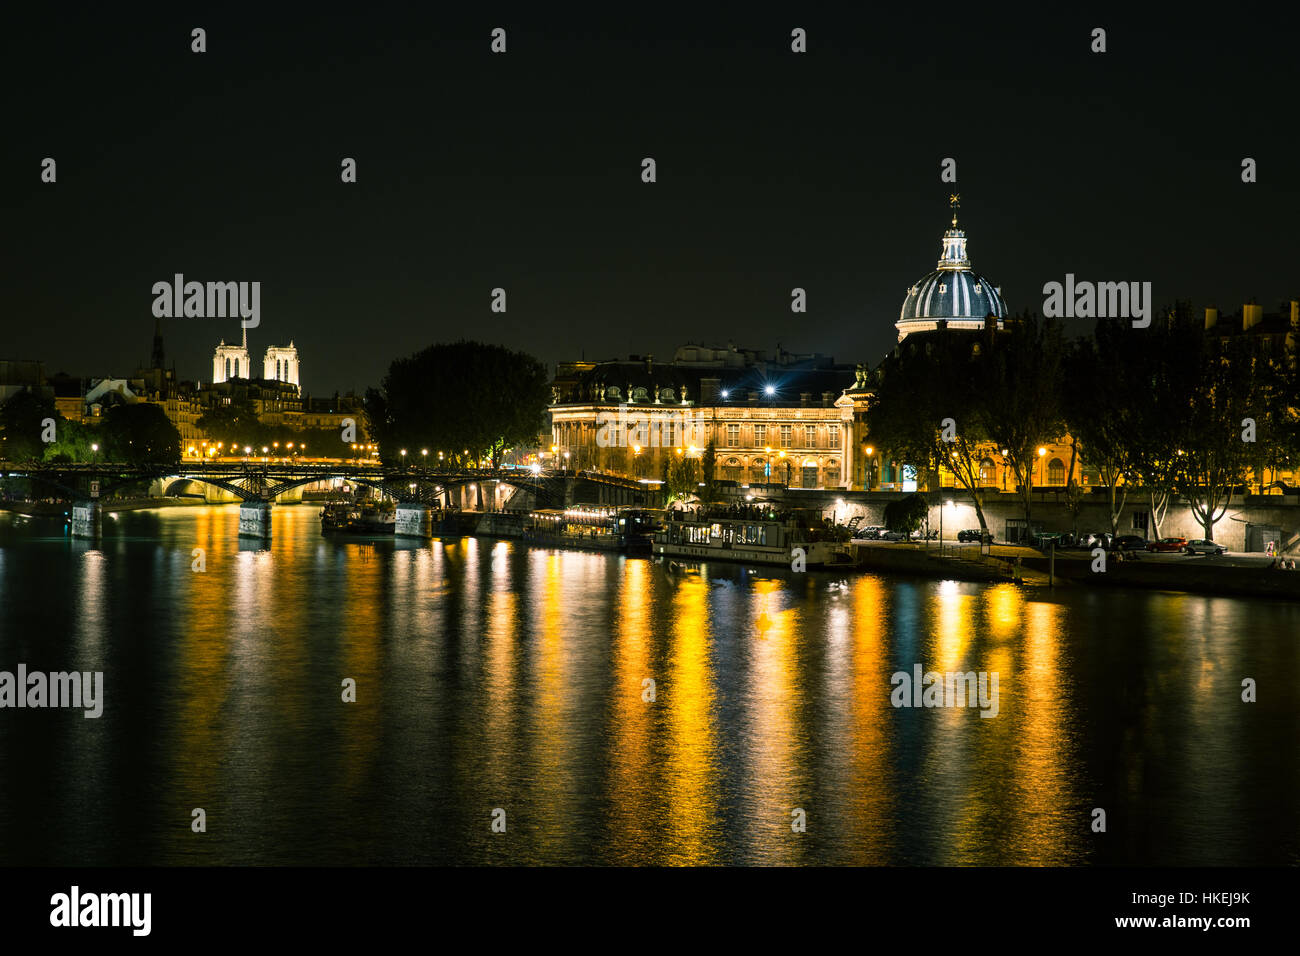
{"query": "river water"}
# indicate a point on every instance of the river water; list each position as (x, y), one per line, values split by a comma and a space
(497, 681)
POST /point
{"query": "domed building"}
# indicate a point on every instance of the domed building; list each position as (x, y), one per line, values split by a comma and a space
(952, 293)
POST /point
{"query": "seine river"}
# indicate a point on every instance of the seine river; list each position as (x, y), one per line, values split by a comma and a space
(491, 676)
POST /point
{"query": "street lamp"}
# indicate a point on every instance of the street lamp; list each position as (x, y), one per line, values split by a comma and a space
(871, 467)
(1041, 452)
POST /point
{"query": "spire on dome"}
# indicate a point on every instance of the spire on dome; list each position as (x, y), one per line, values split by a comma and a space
(954, 242)
(245, 343)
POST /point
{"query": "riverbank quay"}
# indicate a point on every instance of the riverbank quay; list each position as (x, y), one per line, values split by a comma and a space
(45, 509)
(1233, 574)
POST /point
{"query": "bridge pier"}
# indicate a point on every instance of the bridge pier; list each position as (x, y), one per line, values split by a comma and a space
(255, 519)
(413, 520)
(87, 520)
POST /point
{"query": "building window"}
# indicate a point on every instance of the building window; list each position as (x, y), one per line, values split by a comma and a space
(987, 472)
(760, 436)
(758, 470)
(810, 436)
(1056, 472)
(832, 472)
(733, 436)
(833, 436)
(732, 471)
(785, 435)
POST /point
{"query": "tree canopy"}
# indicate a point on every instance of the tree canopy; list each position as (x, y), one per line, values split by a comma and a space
(469, 400)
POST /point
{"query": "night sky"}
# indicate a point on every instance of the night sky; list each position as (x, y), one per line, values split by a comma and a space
(522, 171)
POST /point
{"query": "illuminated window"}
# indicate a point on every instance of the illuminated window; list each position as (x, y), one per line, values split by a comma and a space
(810, 436)
(786, 433)
(760, 435)
(733, 436)
(1056, 472)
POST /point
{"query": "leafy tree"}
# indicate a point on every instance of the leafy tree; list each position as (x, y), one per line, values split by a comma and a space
(467, 399)
(1020, 382)
(75, 442)
(235, 424)
(907, 514)
(140, 434)
(930, 378)
(1164, 361)
(1103, 386)
(1228, 391)
(681, 478)
(22, 420)
(709, 473)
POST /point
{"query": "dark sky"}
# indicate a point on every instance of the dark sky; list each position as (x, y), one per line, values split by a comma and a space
(523, 171)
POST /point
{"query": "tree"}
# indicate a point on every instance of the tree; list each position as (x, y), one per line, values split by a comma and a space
(467, 399)
(1020, 383)
(906, 514)
(74, 443)
(1217, 452)
(23, 420)
(928, 379)
(1103, 385)
(140, 434)
(235, 424)
(709, 473)
(681, 478)
(1164, 361)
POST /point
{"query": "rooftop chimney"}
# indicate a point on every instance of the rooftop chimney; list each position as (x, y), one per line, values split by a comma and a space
(710, 390)
(1251, 315)
(1211, 317)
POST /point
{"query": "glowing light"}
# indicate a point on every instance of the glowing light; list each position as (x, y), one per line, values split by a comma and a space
(770, 390)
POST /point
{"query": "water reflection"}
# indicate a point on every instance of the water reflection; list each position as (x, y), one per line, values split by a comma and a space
(490, 674)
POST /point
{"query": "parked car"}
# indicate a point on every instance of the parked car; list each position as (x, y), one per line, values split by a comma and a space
(1167, 544)
(973, 534)
(872, 532)
(1045, 539)
(1201, 546)
(1129, 542)
(892, 536)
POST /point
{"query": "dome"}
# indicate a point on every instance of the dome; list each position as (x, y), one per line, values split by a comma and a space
(952, 293)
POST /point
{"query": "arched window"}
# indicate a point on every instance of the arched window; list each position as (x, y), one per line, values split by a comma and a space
(758, 470)
(639, 394)
(988, 471)
(667, 395)
(227, 368)
(732, 471)
(236, 368)
(613, 392)
(1056, 472)
(832, 472)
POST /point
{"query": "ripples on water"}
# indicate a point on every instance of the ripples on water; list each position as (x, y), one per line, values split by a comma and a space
(494, 675)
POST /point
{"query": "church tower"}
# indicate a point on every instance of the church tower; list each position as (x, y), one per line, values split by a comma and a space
(281, 364)
(231, 361)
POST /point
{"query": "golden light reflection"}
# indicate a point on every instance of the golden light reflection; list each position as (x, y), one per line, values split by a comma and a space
(689, 780)
(636, 814)
(774, 786)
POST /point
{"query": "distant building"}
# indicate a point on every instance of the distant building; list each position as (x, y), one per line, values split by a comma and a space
(279, 364)
(20, 375)
(953, 293)
(771, 421)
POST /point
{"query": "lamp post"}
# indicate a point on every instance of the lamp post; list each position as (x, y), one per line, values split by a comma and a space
(1041, 452)
(871, 469)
